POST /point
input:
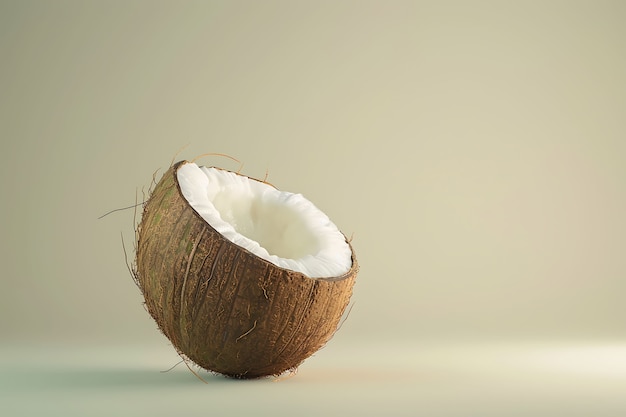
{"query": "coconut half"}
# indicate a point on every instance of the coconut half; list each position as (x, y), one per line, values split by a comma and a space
(244, 279)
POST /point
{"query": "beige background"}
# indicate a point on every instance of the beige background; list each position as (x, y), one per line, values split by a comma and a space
(475, 149)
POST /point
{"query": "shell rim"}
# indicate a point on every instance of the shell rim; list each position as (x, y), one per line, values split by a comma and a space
(354, 267)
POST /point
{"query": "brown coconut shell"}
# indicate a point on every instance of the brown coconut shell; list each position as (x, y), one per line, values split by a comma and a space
(223, 307)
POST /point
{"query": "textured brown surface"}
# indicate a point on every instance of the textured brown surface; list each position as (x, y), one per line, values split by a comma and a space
(226, 309)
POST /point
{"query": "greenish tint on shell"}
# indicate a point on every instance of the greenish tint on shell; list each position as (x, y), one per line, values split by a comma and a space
(221, 306)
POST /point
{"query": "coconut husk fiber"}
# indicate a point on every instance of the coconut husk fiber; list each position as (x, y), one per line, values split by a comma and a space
(223, 307)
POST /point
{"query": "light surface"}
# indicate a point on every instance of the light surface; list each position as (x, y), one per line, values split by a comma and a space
(487, 379)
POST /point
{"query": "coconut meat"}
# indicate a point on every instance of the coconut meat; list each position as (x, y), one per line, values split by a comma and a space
(281, 227)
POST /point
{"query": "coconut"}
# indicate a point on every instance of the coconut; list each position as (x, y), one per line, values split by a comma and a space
(245, 280)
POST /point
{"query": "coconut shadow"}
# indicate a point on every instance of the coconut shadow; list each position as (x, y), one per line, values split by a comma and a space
(99, 379)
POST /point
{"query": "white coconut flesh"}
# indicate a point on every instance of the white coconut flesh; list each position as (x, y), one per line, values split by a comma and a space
(281, 227)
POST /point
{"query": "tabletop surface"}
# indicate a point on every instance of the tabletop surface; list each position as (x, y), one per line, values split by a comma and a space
(395, 379)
